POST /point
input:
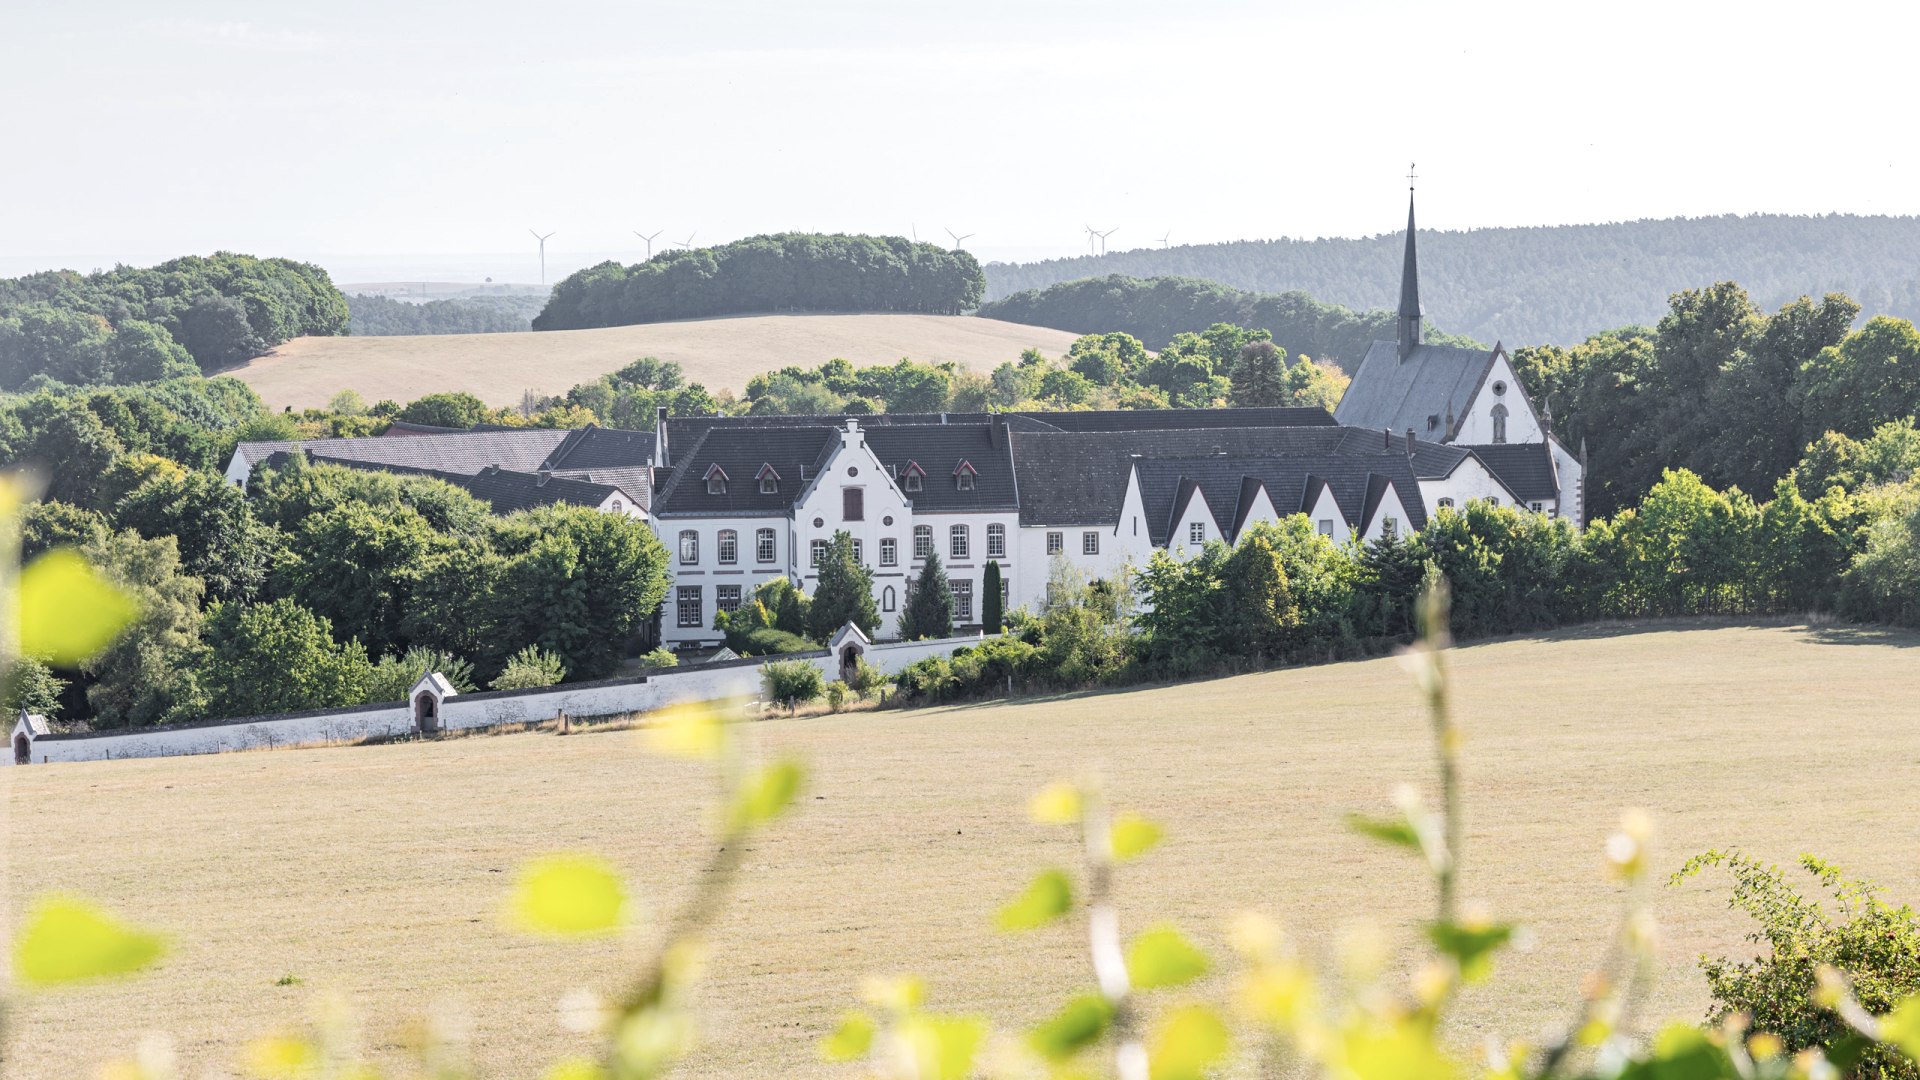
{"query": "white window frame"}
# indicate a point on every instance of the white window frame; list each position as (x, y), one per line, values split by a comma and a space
(727, 544)
(689, 547)
(723, 602)
(1090, 542)
(959, 541)
(962, 599)
(1196, 532)
(766, 545)
(815, 550)
(889, 551)
(922, 541)
(689, 617)
(996, 541)
(1326, 526)
(1056, 543)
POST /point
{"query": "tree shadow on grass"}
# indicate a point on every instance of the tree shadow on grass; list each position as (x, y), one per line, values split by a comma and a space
(1861, 635)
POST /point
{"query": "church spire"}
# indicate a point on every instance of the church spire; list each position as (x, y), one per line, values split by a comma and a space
(1411, 330)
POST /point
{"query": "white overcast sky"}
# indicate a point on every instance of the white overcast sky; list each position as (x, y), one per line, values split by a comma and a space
(368, 134)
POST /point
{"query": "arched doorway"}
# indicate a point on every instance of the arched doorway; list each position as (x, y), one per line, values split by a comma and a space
(849, 661)
(22, 749)
(426, 713)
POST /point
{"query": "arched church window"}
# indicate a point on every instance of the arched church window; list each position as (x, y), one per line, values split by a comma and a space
(1499, 423)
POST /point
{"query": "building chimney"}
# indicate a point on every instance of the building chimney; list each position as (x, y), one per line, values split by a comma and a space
(1386, 438)
(660, 436)
(1409, 442)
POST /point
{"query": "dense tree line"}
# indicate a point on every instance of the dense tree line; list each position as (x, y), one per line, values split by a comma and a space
(1723, 389)
(1552, 284)
(1158, 310)
(320, 586)
(1287, 594)
(134, 325)
(780, 272)
(381, 316)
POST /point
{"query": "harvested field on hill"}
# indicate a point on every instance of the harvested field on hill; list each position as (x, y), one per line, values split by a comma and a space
(378, 872)
(718, 353)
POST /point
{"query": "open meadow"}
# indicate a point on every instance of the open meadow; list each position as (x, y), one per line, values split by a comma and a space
(718, 353)
(378, 872)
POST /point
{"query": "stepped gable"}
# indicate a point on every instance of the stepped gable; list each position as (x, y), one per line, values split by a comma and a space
(1526, 468)
(939, 450)
(797, 453)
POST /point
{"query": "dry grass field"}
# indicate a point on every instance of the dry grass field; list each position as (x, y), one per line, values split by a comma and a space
(377, 872)
(719, 353)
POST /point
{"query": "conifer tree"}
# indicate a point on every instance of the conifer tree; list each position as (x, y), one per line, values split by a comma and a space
(929, 612)
(844, 594)
(991, 616)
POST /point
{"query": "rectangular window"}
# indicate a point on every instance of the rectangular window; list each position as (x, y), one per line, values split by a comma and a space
(922, 541)
(1536, 507)
(727, 598)
(769, 485)
(1326, 526)
(1197, 532)
(687, 603)
(1056, 543)
(689, 546)
(729, 546)
(1089, 543)
(859, 552)
(1006, 590)
(962, 600)
(957, 542)
(996, 541)
(816, 551)
(853, 504)
(913, 482)
(963, 481)
(763, 542)
(1389, 528)
(889, 551)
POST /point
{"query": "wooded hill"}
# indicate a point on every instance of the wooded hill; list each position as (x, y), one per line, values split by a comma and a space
(1546, 284)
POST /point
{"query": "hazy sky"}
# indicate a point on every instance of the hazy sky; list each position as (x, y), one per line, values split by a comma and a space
(365, 134)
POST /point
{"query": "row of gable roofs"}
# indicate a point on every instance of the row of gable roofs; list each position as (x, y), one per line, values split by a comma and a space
(1234, 487)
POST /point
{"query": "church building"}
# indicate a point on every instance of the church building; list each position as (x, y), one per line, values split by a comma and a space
(1465, 398)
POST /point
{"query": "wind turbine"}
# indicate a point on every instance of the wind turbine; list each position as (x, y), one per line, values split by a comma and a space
(1163, 239)
(1091, 233)
(649, 240)
(915, 228)
(957, 237)
(688, 242)
(1103, 238)
(543, 254)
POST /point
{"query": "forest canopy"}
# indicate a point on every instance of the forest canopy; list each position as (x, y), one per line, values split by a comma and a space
(185, 316)
(1543, 284)
(1157, 310)
(781, 272)
(381, 316)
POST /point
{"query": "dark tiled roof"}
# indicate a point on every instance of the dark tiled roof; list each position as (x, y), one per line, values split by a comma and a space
(796, 453)
(1230, 485)
(1180, 419)
(940, 450)
(1526, 468)
(466, 452)
(1080, 477)
(401, 429)
(1387, 392)
(503, 490)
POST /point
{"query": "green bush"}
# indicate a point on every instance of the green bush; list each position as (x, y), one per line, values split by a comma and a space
(1873, 943)
(530, 668)
(792, 683)
(836, 695)
(866, 679)
(658, 658)
(768, 642)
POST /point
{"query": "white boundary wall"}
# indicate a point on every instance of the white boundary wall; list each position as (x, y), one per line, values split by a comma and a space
(645, 693)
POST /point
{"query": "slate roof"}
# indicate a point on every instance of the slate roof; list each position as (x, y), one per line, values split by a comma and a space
(1526, 468)
(1080, 477)
(1180, 419)
(1389, 393)
(940, 450)
(400, 429)
(34, 723)
(503, 490)
(1231, 483)
(467, 452)
(796, 453)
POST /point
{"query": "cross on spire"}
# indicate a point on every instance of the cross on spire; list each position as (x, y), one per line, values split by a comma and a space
(1411, 176)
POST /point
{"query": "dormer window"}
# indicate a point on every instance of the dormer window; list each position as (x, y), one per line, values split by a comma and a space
(769, 479)
(716, 480)
(914, 479)
(964, 475)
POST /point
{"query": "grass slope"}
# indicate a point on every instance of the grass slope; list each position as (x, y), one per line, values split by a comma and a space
(716, 352)
(377, 872)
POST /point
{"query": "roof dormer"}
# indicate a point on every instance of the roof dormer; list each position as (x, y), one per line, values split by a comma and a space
(964, 475)
(769, 479)
(914, 478)
(716, 479)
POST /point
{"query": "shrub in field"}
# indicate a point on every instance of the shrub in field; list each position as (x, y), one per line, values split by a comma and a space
(530, 668)
(792, 683)
(866, 679)
(836, 695)
(1874, 944)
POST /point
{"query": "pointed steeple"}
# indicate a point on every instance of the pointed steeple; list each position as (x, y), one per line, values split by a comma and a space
(1411, 329)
